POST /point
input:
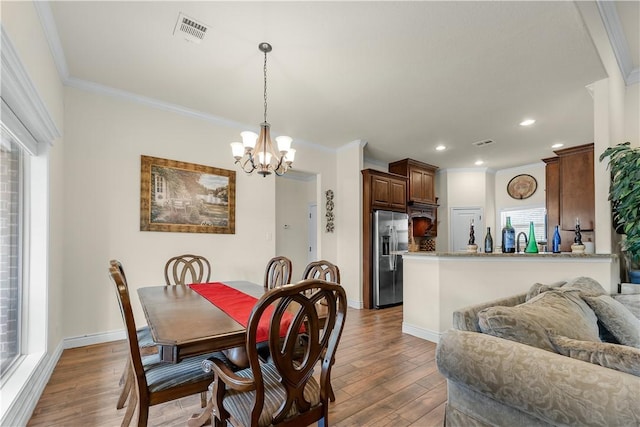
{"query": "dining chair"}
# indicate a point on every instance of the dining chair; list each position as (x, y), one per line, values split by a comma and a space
(146, 344)
(155, 382)
(277, 273)
(283, 390)
(323, 270)
(186, 269)
(330, 272)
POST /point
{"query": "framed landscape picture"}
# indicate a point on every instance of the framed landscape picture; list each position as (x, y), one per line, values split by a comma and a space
(185, 197)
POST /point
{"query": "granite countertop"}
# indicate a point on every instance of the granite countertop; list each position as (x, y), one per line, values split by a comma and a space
(517, 255)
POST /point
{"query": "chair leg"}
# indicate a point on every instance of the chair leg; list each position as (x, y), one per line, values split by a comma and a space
(131, 408)
(126, 389)
(203, 399)
(143, 415)
(332, 396)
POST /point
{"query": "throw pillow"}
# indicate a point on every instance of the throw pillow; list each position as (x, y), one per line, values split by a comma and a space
(587, 285)
(527, 323)
(631, 301)
(616, 318)
(619, 357)
(538, 288)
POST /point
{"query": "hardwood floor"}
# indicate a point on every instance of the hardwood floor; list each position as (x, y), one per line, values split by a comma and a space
(381, 378)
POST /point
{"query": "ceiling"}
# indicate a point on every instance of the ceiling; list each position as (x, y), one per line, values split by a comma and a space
(403, 76)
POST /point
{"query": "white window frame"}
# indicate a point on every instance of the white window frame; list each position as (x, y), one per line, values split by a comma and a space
(26, 115)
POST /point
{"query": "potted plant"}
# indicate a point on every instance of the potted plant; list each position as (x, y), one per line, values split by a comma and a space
(624, 195)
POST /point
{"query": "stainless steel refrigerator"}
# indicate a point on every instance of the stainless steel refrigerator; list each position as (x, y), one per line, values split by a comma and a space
(390, 241)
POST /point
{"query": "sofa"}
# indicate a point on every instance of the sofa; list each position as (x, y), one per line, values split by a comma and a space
(533, 360)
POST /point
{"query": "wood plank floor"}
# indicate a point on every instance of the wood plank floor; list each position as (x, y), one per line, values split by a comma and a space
(381, 378)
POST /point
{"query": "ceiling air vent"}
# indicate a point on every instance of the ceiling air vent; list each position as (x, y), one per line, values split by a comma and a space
(483, 142)
(190, 29)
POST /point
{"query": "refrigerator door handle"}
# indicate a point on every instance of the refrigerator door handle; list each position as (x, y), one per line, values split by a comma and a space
(394, 248)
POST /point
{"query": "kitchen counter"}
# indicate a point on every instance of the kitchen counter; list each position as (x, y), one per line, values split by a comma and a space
(438, 283)
(500, 254)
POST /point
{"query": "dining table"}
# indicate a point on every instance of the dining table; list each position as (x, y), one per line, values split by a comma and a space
(184, 323)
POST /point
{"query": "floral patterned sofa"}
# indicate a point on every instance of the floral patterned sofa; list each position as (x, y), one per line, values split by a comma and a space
(563, 354)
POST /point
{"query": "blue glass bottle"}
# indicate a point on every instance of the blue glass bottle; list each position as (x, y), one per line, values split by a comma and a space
(556, 241)
(508, 238)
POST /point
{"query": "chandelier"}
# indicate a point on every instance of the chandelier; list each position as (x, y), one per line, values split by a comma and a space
(257, 152)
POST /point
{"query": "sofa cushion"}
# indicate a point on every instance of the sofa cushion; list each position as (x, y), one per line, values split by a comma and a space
(587, 285)
(619, 357)
(562, 310)
(617, 318)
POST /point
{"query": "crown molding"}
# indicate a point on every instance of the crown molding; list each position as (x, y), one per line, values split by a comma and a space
(618, 41)
(53, 39)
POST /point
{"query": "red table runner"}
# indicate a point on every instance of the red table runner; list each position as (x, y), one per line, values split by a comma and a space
(238, 306)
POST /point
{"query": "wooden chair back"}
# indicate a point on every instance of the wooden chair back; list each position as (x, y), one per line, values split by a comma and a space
(186, 269)
(277, 273)
(169, 381)
(319, 338)
(323, 270)
(124, 301)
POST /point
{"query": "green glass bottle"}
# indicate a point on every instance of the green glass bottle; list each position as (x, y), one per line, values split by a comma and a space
(532, 245)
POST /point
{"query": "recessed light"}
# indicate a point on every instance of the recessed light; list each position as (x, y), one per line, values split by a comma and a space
(558, 145)
(440, 147)
(479, 162)
(527, 122)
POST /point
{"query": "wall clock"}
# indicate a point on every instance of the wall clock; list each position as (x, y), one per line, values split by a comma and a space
(522, 186)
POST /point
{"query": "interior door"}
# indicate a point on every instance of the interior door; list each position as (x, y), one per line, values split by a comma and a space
(312, 232)
(459, 229)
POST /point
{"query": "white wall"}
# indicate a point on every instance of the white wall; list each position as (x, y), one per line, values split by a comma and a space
(632, 115)
(348, 219)
(105, 138)
(460, 188)
(504, 201)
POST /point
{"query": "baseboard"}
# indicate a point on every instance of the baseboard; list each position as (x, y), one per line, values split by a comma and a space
(91, 339)
(20, 410)
(355, 304)
(419, 332)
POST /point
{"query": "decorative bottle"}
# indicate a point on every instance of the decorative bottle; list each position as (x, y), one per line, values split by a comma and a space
(556, 241)
(508, 238)
(488, 242)
(532, 245)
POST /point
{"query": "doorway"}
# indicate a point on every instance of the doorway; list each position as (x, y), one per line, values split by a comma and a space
(459, 230)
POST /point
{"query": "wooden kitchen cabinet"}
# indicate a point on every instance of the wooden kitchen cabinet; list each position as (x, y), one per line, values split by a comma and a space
(570, 193)
(384, 191)
(421, 185)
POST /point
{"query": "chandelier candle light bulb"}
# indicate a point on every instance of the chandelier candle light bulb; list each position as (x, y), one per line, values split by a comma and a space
(257, 151)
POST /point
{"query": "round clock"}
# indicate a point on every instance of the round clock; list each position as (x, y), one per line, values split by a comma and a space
(522, 186)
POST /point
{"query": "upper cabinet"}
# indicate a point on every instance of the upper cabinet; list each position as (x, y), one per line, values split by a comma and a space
(570, 193)
(421, 185)
(384, 191)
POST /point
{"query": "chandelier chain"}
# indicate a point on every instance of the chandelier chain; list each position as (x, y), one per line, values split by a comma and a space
(265, 86)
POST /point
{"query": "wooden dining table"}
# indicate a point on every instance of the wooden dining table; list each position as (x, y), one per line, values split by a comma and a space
(185, 324)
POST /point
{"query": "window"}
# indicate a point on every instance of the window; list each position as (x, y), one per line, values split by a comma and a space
(520, 219)
(12, 186)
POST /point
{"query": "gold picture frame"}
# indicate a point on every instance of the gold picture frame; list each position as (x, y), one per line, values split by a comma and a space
(186, 198)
